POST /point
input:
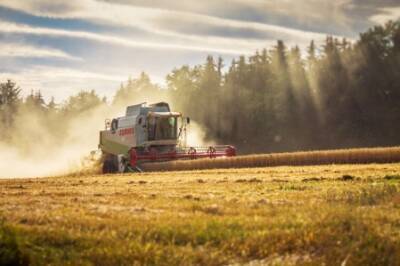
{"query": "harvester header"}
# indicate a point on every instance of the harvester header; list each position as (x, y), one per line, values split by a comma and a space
(150, 133)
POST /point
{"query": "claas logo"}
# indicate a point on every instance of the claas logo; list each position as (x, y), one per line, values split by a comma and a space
(125, 131)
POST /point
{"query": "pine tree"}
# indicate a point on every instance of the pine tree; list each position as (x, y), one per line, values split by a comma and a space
(9, 94)
(9, 104)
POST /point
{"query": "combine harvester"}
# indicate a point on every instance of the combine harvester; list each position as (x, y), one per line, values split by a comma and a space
(148, 134)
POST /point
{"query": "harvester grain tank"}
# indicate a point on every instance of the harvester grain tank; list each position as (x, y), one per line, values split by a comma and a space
(150, 133)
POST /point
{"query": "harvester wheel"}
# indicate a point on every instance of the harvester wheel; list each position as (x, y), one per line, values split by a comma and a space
(122, 162)
(109, 165)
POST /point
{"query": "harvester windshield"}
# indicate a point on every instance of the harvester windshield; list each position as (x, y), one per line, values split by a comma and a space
(162, 128)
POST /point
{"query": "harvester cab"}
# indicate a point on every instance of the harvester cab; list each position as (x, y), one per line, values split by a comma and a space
(150, 133)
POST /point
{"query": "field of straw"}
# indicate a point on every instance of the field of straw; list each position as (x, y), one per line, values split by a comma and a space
(345, 156)
(298, 215)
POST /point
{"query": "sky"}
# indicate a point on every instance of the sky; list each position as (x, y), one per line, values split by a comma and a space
(61, 47)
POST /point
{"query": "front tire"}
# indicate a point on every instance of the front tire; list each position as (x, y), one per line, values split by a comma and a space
(109, 164)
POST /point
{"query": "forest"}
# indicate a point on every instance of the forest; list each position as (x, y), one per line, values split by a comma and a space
(338, 94)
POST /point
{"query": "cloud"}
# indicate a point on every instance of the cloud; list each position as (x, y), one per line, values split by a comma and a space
(50, 8)
(386, 14)
(190, 24)
(61, 82)
(179, 29)
(178, 42)
(323, 16)
(340, 17)
(29, 51)
(215, 44)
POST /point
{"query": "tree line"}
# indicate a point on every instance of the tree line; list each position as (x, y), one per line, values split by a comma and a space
(340, 94)
(335, 95)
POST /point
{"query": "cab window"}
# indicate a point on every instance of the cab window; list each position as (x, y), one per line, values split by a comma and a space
(162, 128)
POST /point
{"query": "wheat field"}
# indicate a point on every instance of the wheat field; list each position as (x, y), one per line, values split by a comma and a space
(298, 215)
(343, 156)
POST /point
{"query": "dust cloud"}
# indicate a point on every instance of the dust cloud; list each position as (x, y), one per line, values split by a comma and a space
(196, 136)
(44, 147)
(41, 146)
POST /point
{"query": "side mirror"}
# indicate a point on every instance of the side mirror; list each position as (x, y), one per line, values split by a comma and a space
(114, 125)
(188, 120)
